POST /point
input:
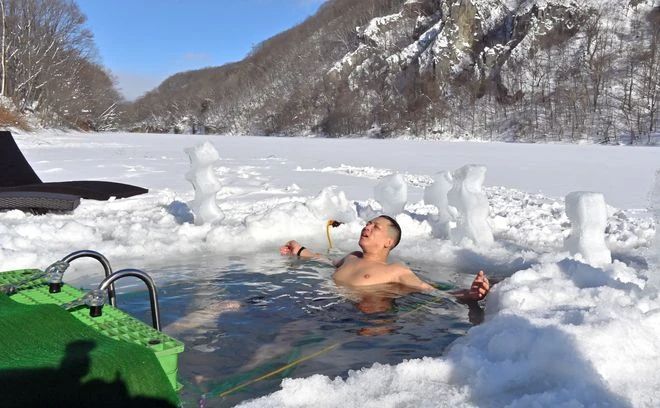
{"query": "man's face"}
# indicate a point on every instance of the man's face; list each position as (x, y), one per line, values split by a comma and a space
(376, 234)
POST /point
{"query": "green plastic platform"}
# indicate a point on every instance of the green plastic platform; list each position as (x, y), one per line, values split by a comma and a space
(113, 323)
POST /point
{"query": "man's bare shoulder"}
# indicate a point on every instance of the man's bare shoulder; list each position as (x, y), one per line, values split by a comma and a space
(350, 258)
(354, 255)
(407, 277)
(400, 269)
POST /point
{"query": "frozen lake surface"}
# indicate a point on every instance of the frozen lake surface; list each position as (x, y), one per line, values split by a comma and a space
(557, 331)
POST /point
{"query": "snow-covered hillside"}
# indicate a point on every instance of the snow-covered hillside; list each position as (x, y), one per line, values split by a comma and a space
(558, 332)
(448, 61)
(515, 70)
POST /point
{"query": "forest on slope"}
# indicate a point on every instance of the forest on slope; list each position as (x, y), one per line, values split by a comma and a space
(517, 70)
(521, 70)
(49, 74)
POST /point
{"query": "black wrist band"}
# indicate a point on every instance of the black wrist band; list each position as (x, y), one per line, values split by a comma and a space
(300, 251)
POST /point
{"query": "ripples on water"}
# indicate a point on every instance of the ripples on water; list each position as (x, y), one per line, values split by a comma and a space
(240, 318)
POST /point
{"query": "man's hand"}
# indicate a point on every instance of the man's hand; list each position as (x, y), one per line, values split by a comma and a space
(478, 290)
(480, 287)
(291, 248)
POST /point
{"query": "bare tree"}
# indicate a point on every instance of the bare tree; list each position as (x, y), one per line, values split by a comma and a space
(47, 63)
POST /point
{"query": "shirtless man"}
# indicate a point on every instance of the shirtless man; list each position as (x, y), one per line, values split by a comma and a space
(369, 267)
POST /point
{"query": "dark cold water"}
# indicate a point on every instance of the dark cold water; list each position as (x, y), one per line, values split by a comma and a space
(243, 317)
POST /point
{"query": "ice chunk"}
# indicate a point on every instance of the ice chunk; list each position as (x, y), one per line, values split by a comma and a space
(330, 204)
(205, 183)
(392, 193)
(587, 212)
(471, 203)
(368, 210)
(436, 194)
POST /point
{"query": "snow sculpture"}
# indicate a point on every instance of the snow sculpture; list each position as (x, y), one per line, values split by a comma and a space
(205, 183)
(588, 215)
(392, 193)
(471, 203)
(436, 194)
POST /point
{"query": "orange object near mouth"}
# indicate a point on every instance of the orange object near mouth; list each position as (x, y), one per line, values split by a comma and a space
(333, 224)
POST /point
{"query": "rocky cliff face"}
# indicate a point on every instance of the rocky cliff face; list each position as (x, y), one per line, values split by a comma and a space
(503, 69)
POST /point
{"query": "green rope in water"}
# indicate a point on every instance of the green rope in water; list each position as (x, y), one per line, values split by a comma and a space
(281, 370)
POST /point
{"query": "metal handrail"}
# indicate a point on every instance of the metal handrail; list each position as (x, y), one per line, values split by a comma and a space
(151, 286)
(86, 253)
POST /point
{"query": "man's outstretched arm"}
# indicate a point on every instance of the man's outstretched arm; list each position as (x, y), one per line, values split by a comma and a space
(478, 290)
(408, 279)
(293, 248)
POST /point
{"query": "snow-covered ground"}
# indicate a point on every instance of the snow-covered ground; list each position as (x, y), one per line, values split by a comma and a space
(558, 332)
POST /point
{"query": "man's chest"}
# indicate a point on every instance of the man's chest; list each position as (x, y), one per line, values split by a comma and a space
(360, 273)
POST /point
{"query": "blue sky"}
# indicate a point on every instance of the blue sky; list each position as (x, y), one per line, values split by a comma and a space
(144, 41)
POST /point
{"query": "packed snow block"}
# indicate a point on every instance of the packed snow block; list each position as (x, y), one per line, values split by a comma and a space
(436, 195)
(587, 212)
(368, 210)
(392, 194)
(204, 206)
(16, 175)
(471, 203)
(331, 204)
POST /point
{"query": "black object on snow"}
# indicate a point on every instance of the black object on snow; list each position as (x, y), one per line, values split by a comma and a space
(16, 175)
(37, 201)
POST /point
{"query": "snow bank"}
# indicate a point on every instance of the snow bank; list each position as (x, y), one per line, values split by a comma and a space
(331, 204)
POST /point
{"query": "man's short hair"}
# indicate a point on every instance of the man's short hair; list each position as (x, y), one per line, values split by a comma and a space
(395, 228)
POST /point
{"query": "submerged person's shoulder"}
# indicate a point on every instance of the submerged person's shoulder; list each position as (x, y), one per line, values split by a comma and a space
(399, 267)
